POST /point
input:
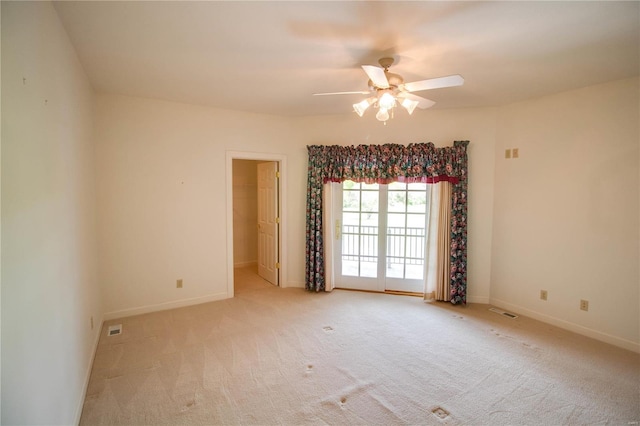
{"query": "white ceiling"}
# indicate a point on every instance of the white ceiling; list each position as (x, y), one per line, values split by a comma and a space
(270, 57)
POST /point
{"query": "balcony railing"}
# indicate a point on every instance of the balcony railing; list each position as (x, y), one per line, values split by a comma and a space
(404, 245)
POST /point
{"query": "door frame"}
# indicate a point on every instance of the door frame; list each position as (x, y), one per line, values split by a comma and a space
(282, 201)
(382, 282)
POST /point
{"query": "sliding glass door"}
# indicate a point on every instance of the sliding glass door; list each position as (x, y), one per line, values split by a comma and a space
(380, 236)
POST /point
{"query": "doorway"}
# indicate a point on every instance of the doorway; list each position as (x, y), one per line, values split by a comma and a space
(255, 217)
(381, 241)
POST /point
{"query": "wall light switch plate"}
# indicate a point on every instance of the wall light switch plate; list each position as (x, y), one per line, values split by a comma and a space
(179, 283)
(543, 294)
(515, 153)
(507, 153)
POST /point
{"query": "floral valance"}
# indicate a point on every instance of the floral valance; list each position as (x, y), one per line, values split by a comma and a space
(421, 162)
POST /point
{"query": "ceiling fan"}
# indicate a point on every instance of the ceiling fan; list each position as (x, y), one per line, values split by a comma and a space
(388, 89)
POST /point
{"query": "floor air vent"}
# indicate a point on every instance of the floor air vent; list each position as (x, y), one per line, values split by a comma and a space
(114, 330)
(503, 313)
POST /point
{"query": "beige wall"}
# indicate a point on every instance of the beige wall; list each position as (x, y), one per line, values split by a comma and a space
(161, 197)
(0, 229)
(245, 212)
(49, 283)
(566, 211)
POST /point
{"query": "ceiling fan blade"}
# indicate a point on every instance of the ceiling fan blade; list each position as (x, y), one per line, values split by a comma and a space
(342, 93)
(377, 76)
(423, 103)
(434, 83)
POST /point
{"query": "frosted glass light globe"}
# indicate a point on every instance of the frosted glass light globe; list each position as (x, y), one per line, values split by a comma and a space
(382, 115)
(386, 101)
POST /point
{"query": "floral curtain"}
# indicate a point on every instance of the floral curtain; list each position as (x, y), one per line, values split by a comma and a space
(421, 162)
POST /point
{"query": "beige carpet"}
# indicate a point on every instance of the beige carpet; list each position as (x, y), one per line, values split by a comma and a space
(283, 356)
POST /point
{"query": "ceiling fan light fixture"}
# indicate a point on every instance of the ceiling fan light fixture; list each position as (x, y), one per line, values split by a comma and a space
(387, 90)
(386, 101)
(409, 105)
(361, 107)
(383, 114)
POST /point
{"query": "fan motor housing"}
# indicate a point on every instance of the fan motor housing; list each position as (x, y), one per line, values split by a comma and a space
(395, 81)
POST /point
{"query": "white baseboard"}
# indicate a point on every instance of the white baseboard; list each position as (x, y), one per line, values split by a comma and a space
(576, 328)
(243, 264)
(164, 306)
(87, 375)
(478, 299)
(295, 284)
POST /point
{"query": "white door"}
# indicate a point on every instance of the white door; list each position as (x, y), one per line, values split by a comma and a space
(268, 221)
(357, 249)
(381, 246)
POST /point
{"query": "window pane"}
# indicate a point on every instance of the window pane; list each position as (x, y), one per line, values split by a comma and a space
(417, 202)
(349, 184)
(351, 200)
(369, 246)
(369, 220)
(397, 201)
(350, 219)
(369, 252)
(415, 245)
(370, 186)
(350, 247)
(395, 270)
(395, 220)
(350, 243)
(397, 185)
(395, 245)
(414, 272)
(369, 241)
(417, 186)
(416, 221)
(369, 269)
(369, 201)
(349, 267)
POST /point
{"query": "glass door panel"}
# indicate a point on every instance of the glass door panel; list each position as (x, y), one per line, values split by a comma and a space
(382, 236)
(406, 224)
(358, 260)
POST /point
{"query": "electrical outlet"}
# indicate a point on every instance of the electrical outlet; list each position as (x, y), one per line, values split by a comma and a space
(507, 153)
(515, 153)
(584, 305)
(179, 283)
(543, 294)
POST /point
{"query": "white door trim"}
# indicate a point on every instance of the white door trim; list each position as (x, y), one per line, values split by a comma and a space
(282, 202)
